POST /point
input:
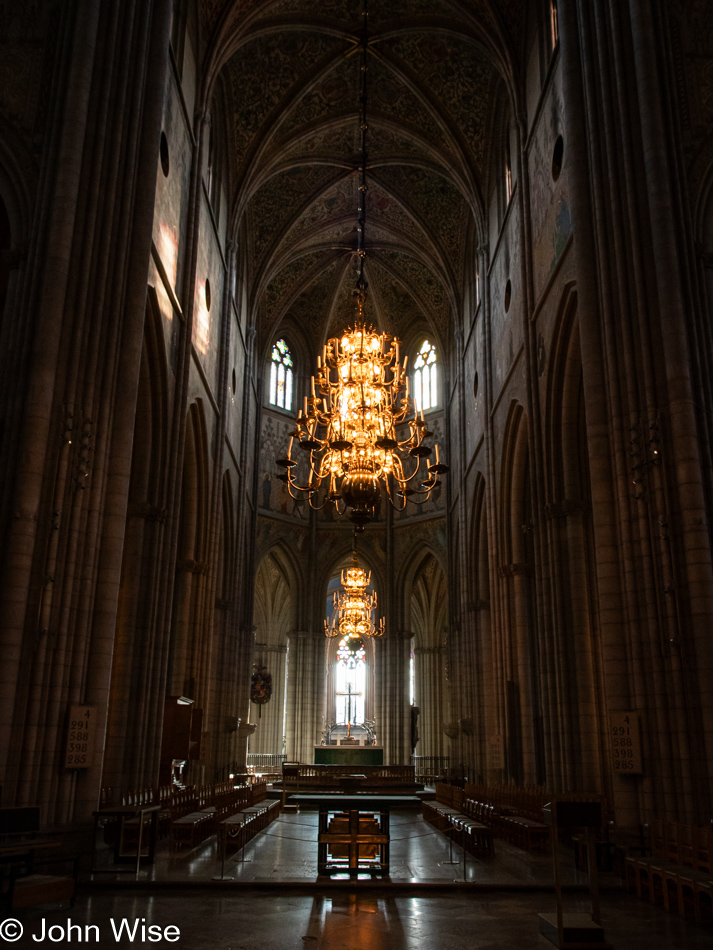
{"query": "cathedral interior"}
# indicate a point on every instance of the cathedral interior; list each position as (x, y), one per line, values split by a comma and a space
(197, 200)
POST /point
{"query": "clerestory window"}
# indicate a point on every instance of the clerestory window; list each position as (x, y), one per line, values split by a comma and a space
(281, 376)
(425, 378)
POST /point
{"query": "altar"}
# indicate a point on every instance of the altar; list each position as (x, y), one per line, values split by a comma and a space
(355, 755)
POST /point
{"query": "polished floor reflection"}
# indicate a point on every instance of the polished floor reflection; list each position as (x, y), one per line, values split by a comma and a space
(247, 920)
(286, 851)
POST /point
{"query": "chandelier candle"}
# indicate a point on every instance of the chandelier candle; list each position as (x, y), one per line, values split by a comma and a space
(353, 607)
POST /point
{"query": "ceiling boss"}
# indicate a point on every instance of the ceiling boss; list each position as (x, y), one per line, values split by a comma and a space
(356, 428)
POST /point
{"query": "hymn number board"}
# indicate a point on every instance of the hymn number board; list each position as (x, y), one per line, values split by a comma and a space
(626, 743)
(80, 737)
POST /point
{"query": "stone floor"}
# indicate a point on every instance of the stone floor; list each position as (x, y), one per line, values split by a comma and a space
(270, 899)
(286, 851)
(220, 920)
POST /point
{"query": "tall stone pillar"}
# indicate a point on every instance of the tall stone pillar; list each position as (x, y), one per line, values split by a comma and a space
(432, 699)
(271, 716)
(305, 694)
(394, 711)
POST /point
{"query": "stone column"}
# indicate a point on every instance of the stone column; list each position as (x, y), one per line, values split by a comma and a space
(305, 694)
(271, 716)
(392, 683)
(433, 701)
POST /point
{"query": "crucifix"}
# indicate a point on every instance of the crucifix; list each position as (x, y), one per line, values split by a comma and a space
(348, 693)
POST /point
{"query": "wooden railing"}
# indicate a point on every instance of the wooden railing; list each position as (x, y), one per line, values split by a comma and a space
(429, 767)
(265, 762)
(374, 773)
(305, 777)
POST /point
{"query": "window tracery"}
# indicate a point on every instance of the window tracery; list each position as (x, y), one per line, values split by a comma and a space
(425, 377)
(281, 376)
(350, 681)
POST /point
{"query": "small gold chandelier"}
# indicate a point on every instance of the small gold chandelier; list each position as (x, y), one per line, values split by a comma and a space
(353, 607)
(350, 426)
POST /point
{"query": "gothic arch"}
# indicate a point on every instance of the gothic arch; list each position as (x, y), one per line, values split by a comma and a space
(427, 613)
(341, 559)
(574, 661)
(18, 174)
(275, 615)
(135, 708)
(187, 656)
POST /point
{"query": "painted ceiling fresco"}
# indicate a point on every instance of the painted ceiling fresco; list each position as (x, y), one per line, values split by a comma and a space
(292, 71)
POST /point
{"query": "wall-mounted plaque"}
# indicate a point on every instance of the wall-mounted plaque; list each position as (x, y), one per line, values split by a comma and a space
(496, 757)
(625, 743)
(80, 737)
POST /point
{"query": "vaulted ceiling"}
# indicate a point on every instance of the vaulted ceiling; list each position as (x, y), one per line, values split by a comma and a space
(291, 70)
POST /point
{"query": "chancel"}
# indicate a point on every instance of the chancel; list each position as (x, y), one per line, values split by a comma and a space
(356, 429)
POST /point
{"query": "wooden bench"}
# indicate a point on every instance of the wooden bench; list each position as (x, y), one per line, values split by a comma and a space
(237, 830)
(28, 858)
(31, 890)
(452, 813)
(513, 813)
(678, 875)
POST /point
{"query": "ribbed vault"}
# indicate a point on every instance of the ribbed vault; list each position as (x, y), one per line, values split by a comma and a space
(291, 70)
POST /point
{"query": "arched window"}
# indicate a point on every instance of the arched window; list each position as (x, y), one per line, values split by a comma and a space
(350, 681)
(508, 169)
(281, 376)
(554, 24)
(425, 378)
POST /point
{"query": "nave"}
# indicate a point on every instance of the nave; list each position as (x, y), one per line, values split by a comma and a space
(421, 289)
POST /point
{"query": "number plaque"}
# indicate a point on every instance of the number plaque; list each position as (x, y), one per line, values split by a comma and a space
(80, 737)
(496, 755)
(625, 743)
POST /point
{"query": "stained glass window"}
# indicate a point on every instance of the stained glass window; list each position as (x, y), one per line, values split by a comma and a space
(281, 376)
(425, 378)
(350, 681)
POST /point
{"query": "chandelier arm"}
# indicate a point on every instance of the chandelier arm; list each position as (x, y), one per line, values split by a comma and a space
(413, 474)
(320, 507)
(391, 499)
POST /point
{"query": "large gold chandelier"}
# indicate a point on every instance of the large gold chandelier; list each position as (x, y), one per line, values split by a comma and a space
(355, 428)
(353, 606)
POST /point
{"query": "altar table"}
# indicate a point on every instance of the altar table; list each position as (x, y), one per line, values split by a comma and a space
(353, 804)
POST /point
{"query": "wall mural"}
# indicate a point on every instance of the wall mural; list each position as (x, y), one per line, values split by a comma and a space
(551, 217)
(436, 504)
(272, 493)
